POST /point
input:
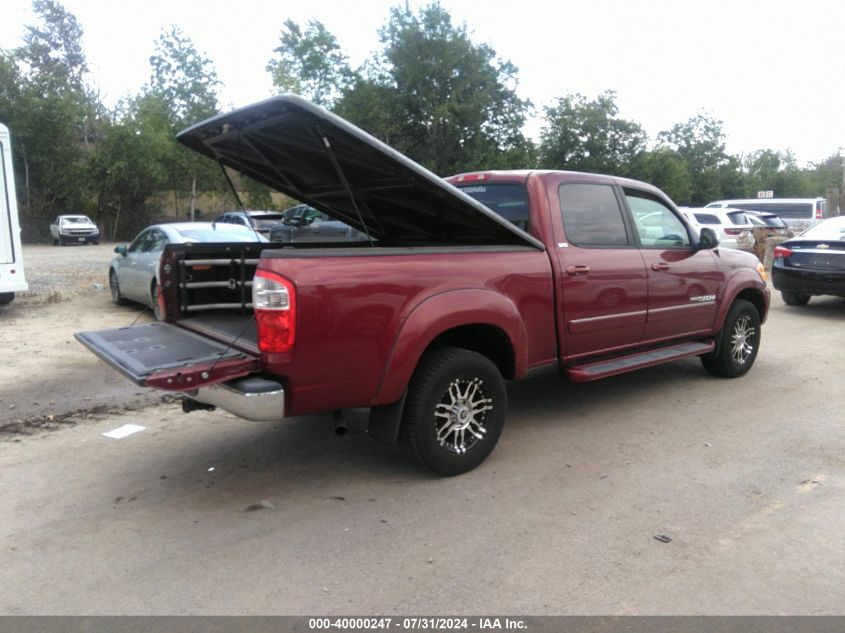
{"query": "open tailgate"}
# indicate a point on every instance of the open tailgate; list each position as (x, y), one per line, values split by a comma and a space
(163, 356)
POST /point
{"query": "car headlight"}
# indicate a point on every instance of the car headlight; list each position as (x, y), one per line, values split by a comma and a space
(762, 272)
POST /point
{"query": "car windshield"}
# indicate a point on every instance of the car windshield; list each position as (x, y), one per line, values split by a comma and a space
(221, 233)
(76, 219)
(831, 229)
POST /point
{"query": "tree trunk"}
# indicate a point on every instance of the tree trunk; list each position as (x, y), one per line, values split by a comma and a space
(193, 196)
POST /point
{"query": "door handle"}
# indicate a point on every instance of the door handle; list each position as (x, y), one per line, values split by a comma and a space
(660, 266)
(577, 270)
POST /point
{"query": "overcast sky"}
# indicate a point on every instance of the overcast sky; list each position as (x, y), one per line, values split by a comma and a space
(773, 71)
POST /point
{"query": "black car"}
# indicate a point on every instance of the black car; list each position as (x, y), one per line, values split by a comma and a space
(304, 223)
(811, 263)
(260, 221)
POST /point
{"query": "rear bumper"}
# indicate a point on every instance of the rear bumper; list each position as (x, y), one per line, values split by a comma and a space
(811, 282)
(251, 398)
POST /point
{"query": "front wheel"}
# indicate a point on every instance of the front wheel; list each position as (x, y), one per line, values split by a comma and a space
(738, 342)
(455, 411)
(794, 298)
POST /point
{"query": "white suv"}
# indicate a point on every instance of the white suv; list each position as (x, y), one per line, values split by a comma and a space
(731, 225)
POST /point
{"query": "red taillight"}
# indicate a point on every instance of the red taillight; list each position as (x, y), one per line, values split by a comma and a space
(733, 231)
(782, 251)
(818, 211)
(274, 301)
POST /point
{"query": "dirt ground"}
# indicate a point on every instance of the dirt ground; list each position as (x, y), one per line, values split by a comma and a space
(47, 377)
(209, 514)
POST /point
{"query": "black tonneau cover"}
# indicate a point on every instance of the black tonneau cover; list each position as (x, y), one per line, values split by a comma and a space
(303, 150)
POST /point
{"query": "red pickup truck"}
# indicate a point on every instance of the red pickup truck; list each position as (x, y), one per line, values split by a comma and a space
(458, 286)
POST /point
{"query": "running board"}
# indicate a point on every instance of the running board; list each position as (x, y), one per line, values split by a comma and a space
(622, 364)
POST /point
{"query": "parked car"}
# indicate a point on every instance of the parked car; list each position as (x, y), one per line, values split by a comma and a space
(133, 274)
(730, 225)
(74, 229)
(260, 221)
(304, 223)
(772, 224)
(798, 213)
(812, 263)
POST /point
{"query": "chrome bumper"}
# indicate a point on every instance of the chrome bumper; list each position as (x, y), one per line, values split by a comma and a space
(250, 398)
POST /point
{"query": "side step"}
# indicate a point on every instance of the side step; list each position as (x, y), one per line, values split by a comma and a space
(622, 364)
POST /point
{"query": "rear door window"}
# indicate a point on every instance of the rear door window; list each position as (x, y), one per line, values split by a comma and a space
(592, 216)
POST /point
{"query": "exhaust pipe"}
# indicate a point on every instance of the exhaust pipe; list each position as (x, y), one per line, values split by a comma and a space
(189, 405)
(340, 427)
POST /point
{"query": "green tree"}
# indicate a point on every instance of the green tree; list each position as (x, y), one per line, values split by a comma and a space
(665, 169)
(768, 169)
(446, 102)
(310, 63)
(586, 135)
(49, 110)
(184, 85)
(700, 142)
(130, 165)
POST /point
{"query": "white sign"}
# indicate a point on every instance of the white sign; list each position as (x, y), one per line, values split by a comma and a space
(766, 194)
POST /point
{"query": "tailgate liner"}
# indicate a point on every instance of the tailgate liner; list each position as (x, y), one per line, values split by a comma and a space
(138, 351)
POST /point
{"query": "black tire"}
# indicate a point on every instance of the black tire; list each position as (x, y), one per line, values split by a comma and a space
(455, 410)
(6, 298)
(157, 313)
(794, 298)
(737, 343)
(116, 297)
(54, 241)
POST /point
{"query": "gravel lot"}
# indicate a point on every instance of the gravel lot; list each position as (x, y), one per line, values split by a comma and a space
(209, 514)
(48, 378)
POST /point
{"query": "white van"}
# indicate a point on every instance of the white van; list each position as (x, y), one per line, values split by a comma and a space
(798, 213)
(11, 262)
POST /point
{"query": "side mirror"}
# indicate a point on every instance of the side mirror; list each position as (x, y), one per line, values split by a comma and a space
(120, 250)
(708, 239)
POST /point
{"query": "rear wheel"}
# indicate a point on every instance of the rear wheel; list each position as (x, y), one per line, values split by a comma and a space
(738, 342)
(455, 411)
(794, 298)
(6, 298)
(114, 286)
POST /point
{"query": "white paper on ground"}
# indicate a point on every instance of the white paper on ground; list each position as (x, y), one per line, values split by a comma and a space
(124, 431)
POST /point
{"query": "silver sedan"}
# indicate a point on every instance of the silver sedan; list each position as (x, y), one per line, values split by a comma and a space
(134, 271)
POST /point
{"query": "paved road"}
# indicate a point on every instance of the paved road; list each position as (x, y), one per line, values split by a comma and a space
(745, 476)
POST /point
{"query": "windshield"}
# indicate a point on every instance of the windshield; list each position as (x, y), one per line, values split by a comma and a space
(221, 234)
(507, 200)
(76, 219)
(831, 229)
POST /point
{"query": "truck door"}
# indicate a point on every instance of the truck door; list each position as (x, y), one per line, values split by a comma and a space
(602, 278)
(683, 281)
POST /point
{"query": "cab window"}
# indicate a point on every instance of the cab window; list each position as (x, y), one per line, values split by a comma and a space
(655, 223)
(592, 216)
